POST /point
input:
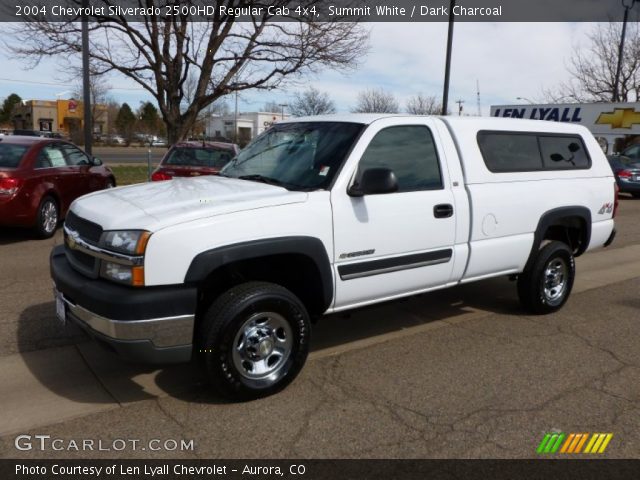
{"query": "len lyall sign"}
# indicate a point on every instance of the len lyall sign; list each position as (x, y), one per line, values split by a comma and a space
(601, 118)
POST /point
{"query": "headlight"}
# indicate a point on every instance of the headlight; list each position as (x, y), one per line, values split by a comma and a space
(131, 242)
(129, 275)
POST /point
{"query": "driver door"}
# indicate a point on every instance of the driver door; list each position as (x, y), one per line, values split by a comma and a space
(391, 244)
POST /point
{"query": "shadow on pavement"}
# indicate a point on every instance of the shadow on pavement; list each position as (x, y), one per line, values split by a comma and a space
(126, 383)
(9, 235)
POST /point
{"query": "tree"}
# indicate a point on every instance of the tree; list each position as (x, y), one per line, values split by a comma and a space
(125, 122)
(7, 107)
(376, 101)
(593, 69)
(272, 107)
(222, 52)
(423, 105)
(311, 102)
(148, 118)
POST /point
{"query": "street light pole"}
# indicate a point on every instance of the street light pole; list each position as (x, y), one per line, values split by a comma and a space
(616, 84)
(283, 105)
(525, 99)
(86, 91)
(447, 68)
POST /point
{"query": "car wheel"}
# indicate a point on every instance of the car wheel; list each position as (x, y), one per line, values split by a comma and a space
(636, 194)
(48, 217)
(254, 340)
(111, 183)
(546, 285)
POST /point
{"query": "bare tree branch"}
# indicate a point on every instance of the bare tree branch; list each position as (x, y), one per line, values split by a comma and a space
(186, 65)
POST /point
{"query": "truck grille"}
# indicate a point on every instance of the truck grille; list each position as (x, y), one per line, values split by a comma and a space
(88, 231)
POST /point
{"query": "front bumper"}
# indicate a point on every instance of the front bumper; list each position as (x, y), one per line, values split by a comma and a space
(147, 325)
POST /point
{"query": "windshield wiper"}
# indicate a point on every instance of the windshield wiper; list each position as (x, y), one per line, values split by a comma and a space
(271, 181)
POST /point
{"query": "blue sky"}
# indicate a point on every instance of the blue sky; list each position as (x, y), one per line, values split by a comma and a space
(508, 59)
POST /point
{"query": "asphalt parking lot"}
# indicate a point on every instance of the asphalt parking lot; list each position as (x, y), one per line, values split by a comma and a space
(461, 373)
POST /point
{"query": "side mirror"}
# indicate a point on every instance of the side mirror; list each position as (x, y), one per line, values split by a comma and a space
(374, 181)
(96, 162)
(556, 157)
(574, 147)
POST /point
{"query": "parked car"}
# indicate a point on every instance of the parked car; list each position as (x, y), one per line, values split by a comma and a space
(159, 142)
(627, 172)
(41, 177)
(192, 159)
(27, 133)
(632, 152)
(325, 214)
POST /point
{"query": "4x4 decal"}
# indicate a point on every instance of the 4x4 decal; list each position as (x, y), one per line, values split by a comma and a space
(606, 208)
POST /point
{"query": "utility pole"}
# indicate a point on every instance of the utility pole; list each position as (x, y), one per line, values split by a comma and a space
(627, 6)
(86, 89)
(459, 102)
(447, 67)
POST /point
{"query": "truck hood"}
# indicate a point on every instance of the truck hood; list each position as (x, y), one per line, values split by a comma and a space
(153, 206)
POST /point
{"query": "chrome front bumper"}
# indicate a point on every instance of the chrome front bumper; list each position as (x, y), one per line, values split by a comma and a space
(161, 332)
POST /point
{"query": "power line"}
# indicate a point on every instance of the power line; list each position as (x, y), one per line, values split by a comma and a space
(51, 84)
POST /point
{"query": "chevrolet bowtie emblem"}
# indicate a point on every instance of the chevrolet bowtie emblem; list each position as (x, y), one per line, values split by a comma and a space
(620, 118)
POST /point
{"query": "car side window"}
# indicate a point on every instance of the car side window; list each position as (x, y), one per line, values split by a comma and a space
(561, 152)
(410, 152)
(510, 152)
(50, 156)
(74, 155)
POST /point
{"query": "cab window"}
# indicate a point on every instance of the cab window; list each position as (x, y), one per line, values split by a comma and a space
(410, 152)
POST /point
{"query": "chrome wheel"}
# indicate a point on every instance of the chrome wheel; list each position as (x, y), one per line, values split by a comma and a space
(49, 216)
(555, 280)
(262, 347)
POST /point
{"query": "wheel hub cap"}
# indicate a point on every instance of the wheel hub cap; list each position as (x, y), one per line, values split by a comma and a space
(555, 279)
(262, 346)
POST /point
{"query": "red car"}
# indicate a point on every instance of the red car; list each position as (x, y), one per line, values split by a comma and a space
(40, 177)
(191, 159)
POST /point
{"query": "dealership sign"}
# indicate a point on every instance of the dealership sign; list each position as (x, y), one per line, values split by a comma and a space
(600, 118)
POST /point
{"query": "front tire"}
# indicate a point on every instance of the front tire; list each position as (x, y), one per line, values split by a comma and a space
(254, 340)
(546, 285)
(47, 218)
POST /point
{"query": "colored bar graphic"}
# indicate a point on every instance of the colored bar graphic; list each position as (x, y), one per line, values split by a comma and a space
(574, 443)
(605, 442)
(543, 443)
(581, 442)
(556, 446)
(565, 447)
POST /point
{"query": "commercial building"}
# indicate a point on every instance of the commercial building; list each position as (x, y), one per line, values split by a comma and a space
(57, 116)
(247, 126)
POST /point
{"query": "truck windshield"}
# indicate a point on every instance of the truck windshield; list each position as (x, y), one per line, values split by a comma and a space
(297, 156)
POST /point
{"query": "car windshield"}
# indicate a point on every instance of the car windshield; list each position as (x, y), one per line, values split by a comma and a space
(297, 156)
(198, 157)
(10, 155)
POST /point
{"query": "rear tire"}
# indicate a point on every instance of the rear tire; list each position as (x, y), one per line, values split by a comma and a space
(253, 340)
(546, 285)
(47, 218)
(636, 194)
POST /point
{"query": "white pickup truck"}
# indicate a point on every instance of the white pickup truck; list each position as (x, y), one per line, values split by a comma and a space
(325, 214)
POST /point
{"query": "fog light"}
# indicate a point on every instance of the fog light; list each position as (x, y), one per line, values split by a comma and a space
(123, 273)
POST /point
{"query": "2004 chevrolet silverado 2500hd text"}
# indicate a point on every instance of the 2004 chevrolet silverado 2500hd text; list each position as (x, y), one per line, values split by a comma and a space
(325, 214)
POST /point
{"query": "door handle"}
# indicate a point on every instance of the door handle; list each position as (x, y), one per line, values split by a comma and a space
(444, 210)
